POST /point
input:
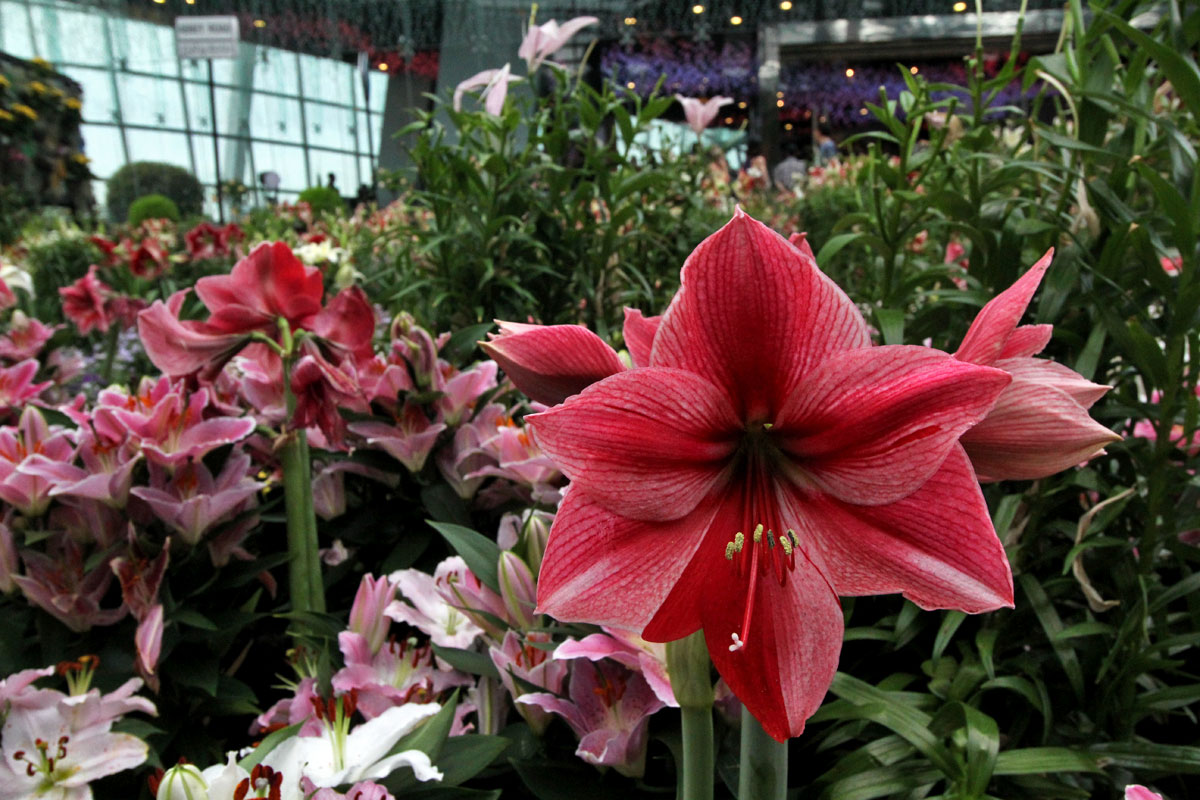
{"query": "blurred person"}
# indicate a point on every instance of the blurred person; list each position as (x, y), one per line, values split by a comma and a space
(827, 149)
(791, 171)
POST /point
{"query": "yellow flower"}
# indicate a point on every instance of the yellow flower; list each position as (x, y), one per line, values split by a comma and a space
(21, 108)
(80, 158)
(38, 87)
(73, 103)
(5, 116)
(4, 82)
(40, 62)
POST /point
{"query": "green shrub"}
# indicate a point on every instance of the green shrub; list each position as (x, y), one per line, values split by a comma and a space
(323, 199)
(141, 178)
(153, 206)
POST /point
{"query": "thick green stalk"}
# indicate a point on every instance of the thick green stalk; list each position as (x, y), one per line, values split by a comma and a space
(110, 353)
(304, 565)
(764, 763)
(691, 680)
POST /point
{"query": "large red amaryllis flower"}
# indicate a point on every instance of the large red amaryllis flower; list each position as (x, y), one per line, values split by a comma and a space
(767, 460)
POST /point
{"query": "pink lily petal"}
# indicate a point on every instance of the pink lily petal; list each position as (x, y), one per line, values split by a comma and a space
(989, 333)
(495, 88)
(611, 441)
(700, 113)
(639, 335)
(936, 546)
(884, 419)
(549, 363)
(754, 315)
(1136, 792)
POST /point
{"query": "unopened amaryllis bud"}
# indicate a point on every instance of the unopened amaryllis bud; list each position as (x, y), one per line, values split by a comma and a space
(182, 782)
(518, 589)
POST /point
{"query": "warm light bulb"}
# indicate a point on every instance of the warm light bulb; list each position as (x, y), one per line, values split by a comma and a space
(786, 5)
(788, 127)
(960, 7)
(735, 20)
(729, 120)
(779, 94)
(779, 103)
(260, 23)
(849, 72)
(383, 67)
(742, 104)
(862, 112)
(697, 9)
(631, 20)
(631, 85)
(913, 70)
(160, 2)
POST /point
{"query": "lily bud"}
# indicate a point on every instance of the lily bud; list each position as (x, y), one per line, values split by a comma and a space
(8, 560)
(518, 589)
(182, 782)
(535, 534)
(366, 615)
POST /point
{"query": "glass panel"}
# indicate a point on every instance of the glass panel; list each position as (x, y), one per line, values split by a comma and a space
(144, 47)
(276, 118)
(225, 69)
(324, 79)
(165, 146)
(340, 165)
(287, 160)
(14, 30)
(379, 84)
(102, 144)
(330, 126)
(150, 101)
(275, 70)
(70, 36)
(98, 102)
(232, 111)
(199, 109)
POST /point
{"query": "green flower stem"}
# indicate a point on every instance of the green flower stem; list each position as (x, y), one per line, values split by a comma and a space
(304, 564)
(691, 680)
(110, 353)
(764, 763)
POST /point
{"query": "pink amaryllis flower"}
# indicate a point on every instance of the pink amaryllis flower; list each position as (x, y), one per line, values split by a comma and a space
(543, 41)
(767, 460)
(700, 113)
(88, 303)
(1040, 424)
(495, 88)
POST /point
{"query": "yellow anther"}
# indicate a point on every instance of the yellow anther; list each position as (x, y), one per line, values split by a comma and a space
(738, 541)
(787, 544)
(795, 538)
(758, 532)
(729, 551)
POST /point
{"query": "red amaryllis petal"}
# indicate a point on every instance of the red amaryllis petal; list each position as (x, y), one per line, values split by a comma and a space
(870, 426)
(1027, 340)
(549, 363)
(647, 444)
(613, 570)
(754, 315)
(269, 283)
(989, 333)
(1034, 430)
(937, 545)
(348, 322)
(639, 332)
(1051, 373)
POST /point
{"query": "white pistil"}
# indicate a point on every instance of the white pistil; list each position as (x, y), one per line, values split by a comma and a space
(738, 644)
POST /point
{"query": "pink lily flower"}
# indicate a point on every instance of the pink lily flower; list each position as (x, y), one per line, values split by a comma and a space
(460, 588)
(169, 422)
(464, 455)
(56, 746)
(532, 664)
(412, 344)
(700, 113)
(107, 471)
(495, 88)
(365, 790)
(543, 41)
(462, 390)
(382, 380)
(609, 708)
(191, 502)
(1135, 792)
(148, 644)
(17, 387)
(87, 303)
(409, 441)
(629, 650)
(60, 585)
(367, 614)
(429, 612)
(27, 444)
(1040, 424)
(25, 337)
(399, 673)
(291, 710)
(741, 490)
(7, 298)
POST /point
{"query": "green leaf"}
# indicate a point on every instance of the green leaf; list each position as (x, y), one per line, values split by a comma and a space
(430, 736)
(1038, 760)
(464, 757)
(187, 616)
(197, 673)
(1179, 68)
(272, 740)
(1053, 626)
(891, 324)
(946, 631)
(1150, 756)
(481, 553)
(468, 661)
(834, 246)
(444, 504)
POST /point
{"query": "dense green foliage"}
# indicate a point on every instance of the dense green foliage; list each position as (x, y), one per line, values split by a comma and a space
(152, 206)
(323, 199)
(140, 178)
